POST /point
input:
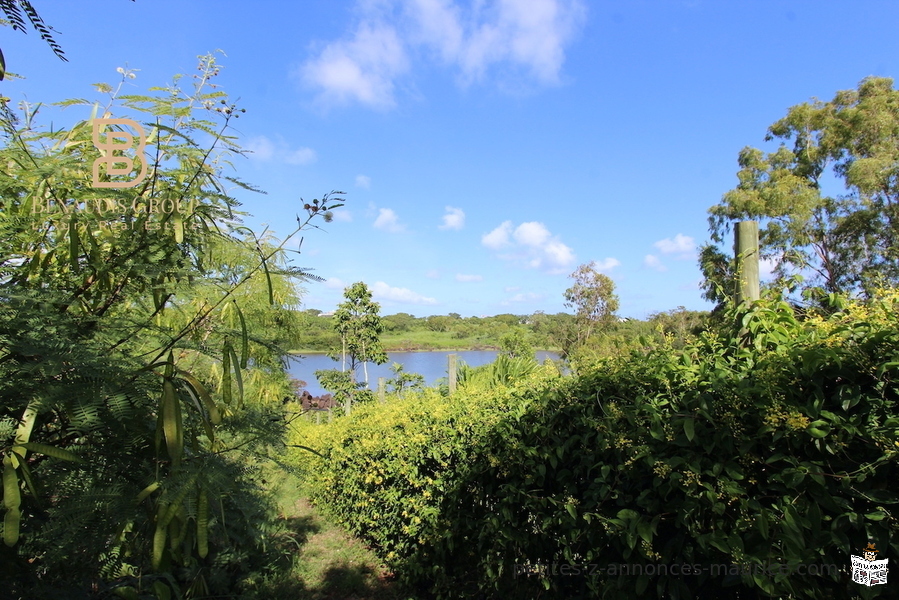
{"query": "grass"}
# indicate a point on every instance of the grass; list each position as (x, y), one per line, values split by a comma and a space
(435, 340)
(329, 563)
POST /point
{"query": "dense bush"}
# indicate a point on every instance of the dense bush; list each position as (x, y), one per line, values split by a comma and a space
(141, 359)
(779, 449)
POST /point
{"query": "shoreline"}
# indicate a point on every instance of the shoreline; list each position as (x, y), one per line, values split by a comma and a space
(408, 350)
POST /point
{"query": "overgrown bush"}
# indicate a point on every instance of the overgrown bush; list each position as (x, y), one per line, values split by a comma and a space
(781, 448)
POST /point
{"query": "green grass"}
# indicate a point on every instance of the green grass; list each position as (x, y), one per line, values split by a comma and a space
(435, 340)
(329, 563)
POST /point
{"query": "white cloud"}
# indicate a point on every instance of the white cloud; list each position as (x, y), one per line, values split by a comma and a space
(264, 149)
(530, 34)
(433, 274)
(261, 147)
(531, 234)
(511, 288)
(342, 214)
(333, 283)
(382, 291)
(682, 246)
(302, 156)
(453, 219)
(363, 181)
(388, 221)
(652, 261)
(510, 37)
(468, 278)
(499, 237)
(362, 69)
(534, 245)
(606, 264)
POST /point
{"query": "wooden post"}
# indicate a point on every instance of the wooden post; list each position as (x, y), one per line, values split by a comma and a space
(452, 373)
(318, 417)
(347, 404)
(382, 389)
(746, 251)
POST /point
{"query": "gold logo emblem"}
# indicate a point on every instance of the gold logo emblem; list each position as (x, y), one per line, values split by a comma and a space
(118, 141)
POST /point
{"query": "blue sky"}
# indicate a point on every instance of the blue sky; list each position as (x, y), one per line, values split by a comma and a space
(487, 148)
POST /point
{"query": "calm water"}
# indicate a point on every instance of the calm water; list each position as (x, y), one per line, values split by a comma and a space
(432, 365)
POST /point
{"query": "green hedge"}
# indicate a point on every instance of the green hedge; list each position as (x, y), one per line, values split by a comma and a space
(783, 451)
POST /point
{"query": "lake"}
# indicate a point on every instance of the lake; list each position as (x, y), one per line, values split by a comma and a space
(432, 365)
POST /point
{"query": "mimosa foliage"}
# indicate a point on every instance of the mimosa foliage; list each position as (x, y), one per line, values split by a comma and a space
(141, 356)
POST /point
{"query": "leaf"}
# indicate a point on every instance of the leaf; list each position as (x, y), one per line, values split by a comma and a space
(147, 491)
(268, 279)
(162, 591)
(178, 224)
(171, 422)
(202, 523)
(73, 243)
(11, 523)
(25, 470)
(237, 376)
(244, 338)
(215, 416)
(226, 372)
(762, 523)
(644, 528)
(2, 66)
(688, 429)
(207, 426)
(159, 536)
(52, 451)
(11, 501)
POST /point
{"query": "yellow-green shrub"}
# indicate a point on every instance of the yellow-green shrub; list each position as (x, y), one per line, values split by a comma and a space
(783, 450)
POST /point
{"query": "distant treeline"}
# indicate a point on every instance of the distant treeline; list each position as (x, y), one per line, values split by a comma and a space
(403, 331)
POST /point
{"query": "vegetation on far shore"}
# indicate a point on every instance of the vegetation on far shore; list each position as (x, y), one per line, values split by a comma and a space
(403, 332)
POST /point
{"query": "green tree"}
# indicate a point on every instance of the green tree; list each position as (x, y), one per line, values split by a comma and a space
(357, 322)
(399, 322)
(517, 344)
(439, 323)
(845, 240)
(594, 300)
(140, 355)
(402, 380)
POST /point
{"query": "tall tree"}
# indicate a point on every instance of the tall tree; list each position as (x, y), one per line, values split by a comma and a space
(359, 326)
(846, 238)
(594, 300)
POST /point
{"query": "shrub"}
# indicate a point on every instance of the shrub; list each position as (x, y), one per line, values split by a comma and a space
(779, 450)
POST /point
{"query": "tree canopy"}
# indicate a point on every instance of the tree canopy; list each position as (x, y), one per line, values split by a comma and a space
(827, 197)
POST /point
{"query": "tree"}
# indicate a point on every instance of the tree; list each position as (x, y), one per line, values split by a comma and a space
(402, 380)
(141, 354)
(398, 322)
(844, 242)
(517, 344)
(357, 322)
(594, 300)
